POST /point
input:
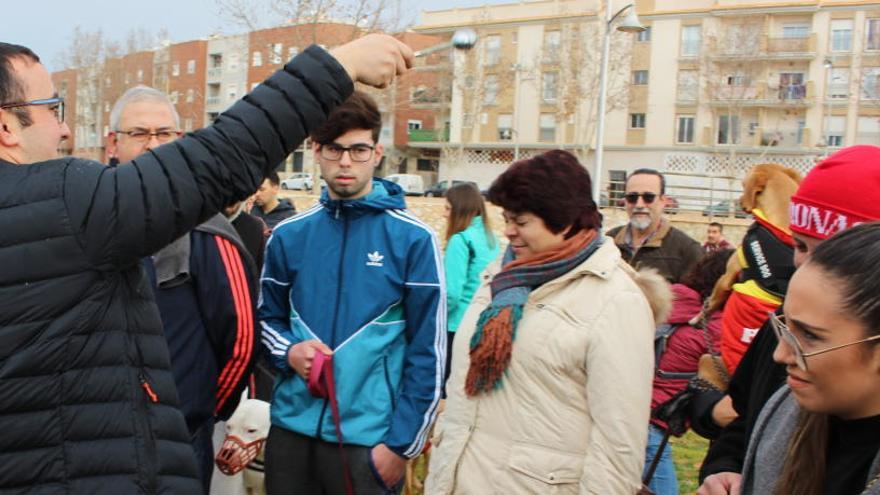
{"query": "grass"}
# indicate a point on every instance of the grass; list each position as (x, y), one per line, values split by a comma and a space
(688, 452)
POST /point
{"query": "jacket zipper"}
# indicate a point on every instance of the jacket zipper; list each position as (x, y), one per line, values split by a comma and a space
(144, 416)
(336, 309)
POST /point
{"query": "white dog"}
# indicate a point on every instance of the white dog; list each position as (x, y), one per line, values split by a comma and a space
(242, 449)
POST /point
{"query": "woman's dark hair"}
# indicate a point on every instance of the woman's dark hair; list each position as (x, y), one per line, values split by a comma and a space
(554, 186)
(359, 111)
(707, 271)
(851, 257)
(467, 203)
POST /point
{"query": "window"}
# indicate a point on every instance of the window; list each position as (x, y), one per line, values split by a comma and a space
(127, 78)
(189, 95)
(216, 60)
(728, 129)
(684, 133)
(872, 34)
(187, 125)
(493, 49)
(552, 41)
(276, 53)
(688, 85)
(426, 165)
(795, 31)
(549, 83)
(232, 91)
(841, 35)
(868, 131)
(636, 121)
(737, 79)
(422, 94)
(140, 75)
(547, 127)
(173, 97)
(413, 125)
(505, 127)
(106, 106)
(871, 83)
(258, 59)
(490, 96)
(191, 67)
(292, 51)
(835, 127)
(175, 69)
(644, 36)
(838, 83)
(690, 41)
(640, 77)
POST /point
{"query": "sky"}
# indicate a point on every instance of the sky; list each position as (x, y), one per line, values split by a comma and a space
(47, 26)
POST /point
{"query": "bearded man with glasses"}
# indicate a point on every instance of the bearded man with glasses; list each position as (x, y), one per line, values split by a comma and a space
(649, 239)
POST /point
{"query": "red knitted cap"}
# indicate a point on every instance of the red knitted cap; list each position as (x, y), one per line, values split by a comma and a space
(840, 192)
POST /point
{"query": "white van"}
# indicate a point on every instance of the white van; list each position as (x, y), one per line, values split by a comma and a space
(412, 184)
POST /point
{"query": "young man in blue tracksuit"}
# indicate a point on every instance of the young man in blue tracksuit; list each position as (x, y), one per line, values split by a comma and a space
(358, 277)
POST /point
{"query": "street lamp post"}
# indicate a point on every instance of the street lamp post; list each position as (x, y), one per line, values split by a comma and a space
(829, 81)
(630, 24)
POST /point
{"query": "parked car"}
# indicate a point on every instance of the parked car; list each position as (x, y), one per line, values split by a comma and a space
(439, 189)
(298, 181)
(412, 185)
(723, 209)
(671, 207)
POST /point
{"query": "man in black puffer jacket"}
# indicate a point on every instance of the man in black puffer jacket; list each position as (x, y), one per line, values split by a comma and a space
(88, 401)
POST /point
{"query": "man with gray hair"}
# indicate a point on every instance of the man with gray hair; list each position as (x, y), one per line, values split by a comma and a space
(89, 403)
(205, 286)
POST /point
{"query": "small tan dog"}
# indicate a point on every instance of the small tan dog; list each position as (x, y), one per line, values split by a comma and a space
(767, 191)
(242, 450)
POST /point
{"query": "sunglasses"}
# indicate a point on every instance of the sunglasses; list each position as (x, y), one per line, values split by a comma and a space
(633, 197)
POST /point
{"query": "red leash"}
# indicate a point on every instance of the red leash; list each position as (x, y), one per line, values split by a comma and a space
(321, 384)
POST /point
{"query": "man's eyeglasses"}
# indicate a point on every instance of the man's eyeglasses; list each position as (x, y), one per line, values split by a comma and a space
(633, 197)
(143, 136)
(783, 333)
(357, 153)
(56, 105)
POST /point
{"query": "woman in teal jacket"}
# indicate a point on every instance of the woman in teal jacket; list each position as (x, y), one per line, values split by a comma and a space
(470, 247)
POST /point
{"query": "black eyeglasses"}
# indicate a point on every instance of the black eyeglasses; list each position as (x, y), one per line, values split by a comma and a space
(357, 153)
(56, 105)
(633, 197)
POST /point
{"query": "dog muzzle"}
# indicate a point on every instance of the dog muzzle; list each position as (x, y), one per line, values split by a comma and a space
(235, 455)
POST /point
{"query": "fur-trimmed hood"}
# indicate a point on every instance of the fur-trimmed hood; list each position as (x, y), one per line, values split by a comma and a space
(657, 291)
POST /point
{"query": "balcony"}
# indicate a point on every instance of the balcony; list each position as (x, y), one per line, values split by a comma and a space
(762, 95)
(766, 48)
(212, 100)
(428, 135)
(215, 72)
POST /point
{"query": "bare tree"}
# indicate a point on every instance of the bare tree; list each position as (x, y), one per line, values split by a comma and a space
(366, 15)
(579, 61)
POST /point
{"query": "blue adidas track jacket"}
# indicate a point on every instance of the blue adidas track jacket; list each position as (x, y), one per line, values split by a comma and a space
(366, 278)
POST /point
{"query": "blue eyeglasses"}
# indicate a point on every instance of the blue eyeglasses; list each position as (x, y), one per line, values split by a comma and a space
(56, 105)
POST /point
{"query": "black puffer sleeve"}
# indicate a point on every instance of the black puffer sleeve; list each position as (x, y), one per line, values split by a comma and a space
(127, 212)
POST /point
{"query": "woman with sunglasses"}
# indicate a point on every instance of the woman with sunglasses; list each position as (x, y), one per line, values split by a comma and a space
(551, 370)
(821, 432)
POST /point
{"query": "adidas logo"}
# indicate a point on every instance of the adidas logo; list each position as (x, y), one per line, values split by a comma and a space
(375, 259)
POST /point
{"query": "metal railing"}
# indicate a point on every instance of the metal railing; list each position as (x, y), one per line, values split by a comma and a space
(710, 195)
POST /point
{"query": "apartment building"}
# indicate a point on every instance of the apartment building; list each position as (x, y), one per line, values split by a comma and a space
(204, 77)
(712, 87)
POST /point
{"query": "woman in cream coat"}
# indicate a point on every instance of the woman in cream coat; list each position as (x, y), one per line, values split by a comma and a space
(569, 412)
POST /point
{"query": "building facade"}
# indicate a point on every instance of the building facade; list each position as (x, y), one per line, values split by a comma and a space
(712, 87)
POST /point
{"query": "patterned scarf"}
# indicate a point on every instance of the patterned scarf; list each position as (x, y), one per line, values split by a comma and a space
(492, 342)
